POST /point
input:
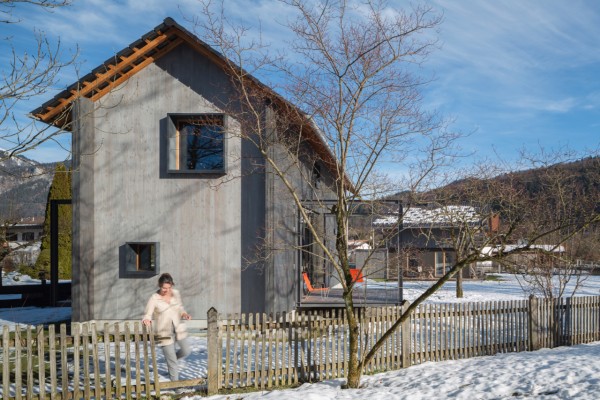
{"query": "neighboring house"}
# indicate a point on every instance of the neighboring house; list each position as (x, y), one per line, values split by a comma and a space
(25, 230)
(23, 238)
(424, 248)
(535, 256)
(164, 181)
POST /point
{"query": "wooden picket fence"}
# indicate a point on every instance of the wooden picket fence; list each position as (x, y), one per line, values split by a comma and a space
(268, 351)
(40, 363)
(564, 322)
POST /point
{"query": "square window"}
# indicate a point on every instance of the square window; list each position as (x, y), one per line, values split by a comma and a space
(197, 143)
(139, 259)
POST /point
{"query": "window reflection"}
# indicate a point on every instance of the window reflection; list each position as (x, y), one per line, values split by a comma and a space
(201, 144)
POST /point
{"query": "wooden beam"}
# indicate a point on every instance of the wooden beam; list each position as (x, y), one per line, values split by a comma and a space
(136, 69)
(103, 77)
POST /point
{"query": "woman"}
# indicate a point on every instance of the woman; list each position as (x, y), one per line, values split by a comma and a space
(166, 308)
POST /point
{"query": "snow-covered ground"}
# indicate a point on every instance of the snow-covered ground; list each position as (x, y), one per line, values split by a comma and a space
(561, 373)
(507, 287)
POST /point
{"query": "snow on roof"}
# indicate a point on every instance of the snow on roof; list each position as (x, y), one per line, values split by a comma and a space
(359, 245)
(419, 216)
(27, 221)
(489, 250)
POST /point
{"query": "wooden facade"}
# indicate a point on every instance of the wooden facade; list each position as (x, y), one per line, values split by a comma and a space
(211, 229)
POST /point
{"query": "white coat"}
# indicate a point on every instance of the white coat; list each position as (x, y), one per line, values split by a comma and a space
(167, 324)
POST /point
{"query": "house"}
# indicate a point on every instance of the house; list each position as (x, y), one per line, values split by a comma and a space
(25, 230)
(166, 180)
(529, 259)
(426, 239)
(22, 239)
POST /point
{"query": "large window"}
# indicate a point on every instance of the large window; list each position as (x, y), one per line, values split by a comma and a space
(140, 259)
(197, 143)
(444, 261)
(28, 236)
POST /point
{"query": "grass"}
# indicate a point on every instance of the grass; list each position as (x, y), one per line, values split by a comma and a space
(493, 278)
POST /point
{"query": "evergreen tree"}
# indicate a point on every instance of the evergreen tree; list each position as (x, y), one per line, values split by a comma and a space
(60, 189)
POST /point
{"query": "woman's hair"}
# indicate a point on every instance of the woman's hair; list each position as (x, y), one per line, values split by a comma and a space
(165, 278)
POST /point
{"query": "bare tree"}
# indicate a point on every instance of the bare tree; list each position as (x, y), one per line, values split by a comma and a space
(353, 70)
(27, 75)
(353, 76)
(557, 193)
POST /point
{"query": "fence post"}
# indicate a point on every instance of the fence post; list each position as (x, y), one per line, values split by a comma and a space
(534, 323)
(405, 337)
(213, 352)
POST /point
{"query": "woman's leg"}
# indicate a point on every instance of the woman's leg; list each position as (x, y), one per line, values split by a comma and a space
(184, 348)
(171, 358)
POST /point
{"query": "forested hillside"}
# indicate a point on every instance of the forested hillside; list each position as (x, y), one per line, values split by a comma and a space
(582, 177)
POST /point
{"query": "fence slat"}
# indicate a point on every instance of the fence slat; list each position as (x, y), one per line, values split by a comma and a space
(107, 371)
(269, 354)
(249, 356)
(76, 330)
(136, 347)
(41, 341)
(95, 361)
(6, 360)
(64, 361)
(117, 346)
(52, 358)
(228, 327)
(236, 354)
(29, 346)
(85, 361)
(127, 365)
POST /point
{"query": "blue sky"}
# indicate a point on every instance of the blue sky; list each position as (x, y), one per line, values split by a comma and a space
(514, 74)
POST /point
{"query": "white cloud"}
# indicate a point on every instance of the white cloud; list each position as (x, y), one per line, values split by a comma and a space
(514, 34)
(558, 106)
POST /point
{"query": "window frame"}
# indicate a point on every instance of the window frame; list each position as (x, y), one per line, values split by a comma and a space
(446, 261)
(174, 147)
(130, 249)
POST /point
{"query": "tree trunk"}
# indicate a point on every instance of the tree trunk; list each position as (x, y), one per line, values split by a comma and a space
(354, 373)
(459, 285)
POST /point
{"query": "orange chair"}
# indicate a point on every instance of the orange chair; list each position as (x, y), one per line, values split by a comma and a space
(357, 275)
(310, 287)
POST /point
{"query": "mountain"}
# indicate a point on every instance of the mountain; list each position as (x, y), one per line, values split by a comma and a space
(581, 177)
(24, 186)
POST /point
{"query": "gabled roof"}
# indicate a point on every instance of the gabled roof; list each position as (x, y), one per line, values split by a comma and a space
(114, 71)
(144, 51)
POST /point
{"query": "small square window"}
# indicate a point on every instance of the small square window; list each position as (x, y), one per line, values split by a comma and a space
(139, 259)
(197, 143)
